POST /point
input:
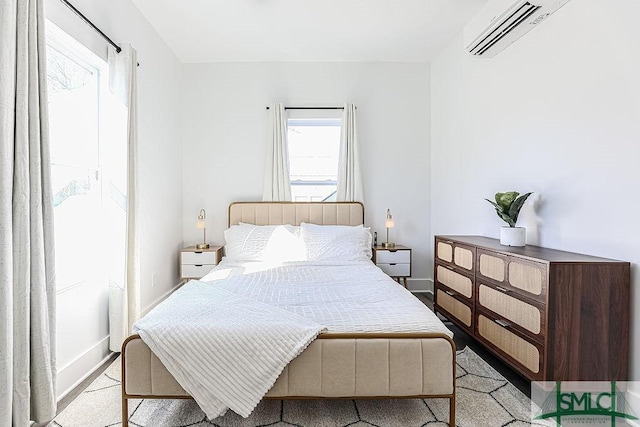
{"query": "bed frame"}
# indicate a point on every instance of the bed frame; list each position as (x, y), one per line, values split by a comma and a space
(334, 366)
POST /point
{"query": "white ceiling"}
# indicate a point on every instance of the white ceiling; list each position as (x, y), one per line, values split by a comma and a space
(307, 30)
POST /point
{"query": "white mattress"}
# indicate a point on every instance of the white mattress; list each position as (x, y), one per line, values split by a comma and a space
(342, 297)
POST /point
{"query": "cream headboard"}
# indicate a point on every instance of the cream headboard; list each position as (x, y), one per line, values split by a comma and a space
(277, 213)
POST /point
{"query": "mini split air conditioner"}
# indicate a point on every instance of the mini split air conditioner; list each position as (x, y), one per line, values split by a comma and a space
(501, 22)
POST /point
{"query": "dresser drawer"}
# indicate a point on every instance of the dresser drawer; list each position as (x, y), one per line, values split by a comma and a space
(446, 302)
(525, 355)
(396, 270)
(195, 271)
(393, 256)
(526, 316)
(455, 254)
(528, 278)
(198, 258)
(457, 282)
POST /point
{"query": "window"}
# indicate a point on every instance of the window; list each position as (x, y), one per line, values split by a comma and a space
(88, 159)
(314, 146)
(87, 127)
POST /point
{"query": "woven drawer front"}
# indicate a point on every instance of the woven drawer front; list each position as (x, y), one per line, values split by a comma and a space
(454, 307)
(491, 267)
(463, 257)
(519, 312)
(519, 349)
(456, 281)
(444, 251)
(527, 277)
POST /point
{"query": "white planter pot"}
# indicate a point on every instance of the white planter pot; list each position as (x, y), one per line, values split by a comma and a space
(512, 236)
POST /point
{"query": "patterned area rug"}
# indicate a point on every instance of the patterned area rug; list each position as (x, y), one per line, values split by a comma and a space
(484, 398)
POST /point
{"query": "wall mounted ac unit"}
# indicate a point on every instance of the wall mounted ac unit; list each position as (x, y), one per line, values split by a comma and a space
(501, 22)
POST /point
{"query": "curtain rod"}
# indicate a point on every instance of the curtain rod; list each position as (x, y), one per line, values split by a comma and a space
(92, 25)
(312, 108)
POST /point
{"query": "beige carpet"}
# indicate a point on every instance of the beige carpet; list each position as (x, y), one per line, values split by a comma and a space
(484, 398)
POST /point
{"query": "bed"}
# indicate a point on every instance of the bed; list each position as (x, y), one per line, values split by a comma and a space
(336, 365)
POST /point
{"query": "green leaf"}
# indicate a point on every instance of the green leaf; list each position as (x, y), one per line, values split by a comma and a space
(506, 199)
(506, 218)
(508, 206)
(497, 206)
(514, 210)
(504, 215)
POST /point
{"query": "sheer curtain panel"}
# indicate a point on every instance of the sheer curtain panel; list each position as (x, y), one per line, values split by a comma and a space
(124, 298)
(349, 175)
(27, 277)
(277, 186)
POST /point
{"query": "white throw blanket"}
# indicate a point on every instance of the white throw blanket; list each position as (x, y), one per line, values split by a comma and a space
(224, 349)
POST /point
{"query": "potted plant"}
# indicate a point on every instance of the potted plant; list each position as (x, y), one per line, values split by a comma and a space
(508, 207)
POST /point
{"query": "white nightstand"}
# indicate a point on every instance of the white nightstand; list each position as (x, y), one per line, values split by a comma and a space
(195, 263)
(396, 261)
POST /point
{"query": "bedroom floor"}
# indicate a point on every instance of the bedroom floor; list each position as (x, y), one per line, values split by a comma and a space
(463, 340)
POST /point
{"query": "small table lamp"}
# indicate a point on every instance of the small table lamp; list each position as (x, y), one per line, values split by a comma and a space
(202, 224)
(389, 223)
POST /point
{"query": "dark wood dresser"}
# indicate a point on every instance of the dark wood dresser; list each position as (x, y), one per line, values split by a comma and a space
(551, 315)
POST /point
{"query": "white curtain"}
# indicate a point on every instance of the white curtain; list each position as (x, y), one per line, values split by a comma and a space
(124, 299)
(27, 277)
(277, 186)
(349, 175)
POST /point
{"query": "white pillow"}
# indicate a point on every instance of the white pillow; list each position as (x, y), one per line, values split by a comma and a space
(336, 242)
(273, 243)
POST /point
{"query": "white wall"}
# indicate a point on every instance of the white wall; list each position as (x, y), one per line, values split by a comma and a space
(225, 127)
(159, 78)
(557, 113)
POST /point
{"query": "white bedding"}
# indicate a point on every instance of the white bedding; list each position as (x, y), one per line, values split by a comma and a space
(225, 350)
(351, 296)
(227, 337)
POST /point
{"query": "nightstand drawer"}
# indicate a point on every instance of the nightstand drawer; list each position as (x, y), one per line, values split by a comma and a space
(190, 271)
(198, 258)
(396, 270)
(391, 256)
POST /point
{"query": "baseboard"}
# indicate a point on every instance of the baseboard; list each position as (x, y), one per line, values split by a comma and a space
(430, 293)
(93, 358)
(81, 367)
(420, 285)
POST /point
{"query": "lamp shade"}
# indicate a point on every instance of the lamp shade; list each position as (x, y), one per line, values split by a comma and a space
(201, 220)
(389, 223)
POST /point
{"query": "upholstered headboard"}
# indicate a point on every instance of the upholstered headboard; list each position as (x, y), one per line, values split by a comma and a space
(277, 213)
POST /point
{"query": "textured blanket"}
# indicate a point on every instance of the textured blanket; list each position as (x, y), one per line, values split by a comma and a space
(224, 349)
